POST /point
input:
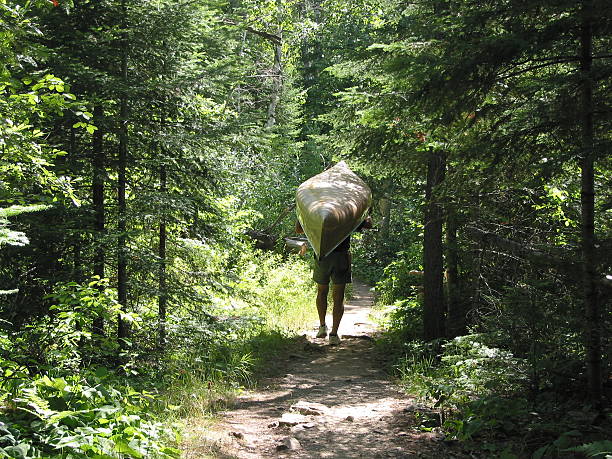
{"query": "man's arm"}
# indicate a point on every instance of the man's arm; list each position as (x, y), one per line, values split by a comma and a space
(300, 230)
(367, 223)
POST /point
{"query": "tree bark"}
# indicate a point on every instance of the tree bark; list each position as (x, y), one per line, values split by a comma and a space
(163, 294)
(98, 204)
(277, 70)
(384, 205)
(433, 282)
(456, 314)
(277, 85)
(122, 331)
(587, 198)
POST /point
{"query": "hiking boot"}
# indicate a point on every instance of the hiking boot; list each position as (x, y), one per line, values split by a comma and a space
(334, 340)
(322, 331)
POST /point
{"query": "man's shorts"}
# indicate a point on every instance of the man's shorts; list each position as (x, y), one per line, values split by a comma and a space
(336, 265)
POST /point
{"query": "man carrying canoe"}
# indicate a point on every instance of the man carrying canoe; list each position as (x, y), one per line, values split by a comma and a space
(336, 266)
(330, 206)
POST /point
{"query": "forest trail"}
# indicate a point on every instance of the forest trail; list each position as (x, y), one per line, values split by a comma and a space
(333, 402)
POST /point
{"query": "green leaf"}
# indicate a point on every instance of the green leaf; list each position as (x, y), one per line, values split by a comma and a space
(19, 451)
(121, 446)
(101, 372)
(72, 441)
(172, 452)
(595, 449)
(539, 453)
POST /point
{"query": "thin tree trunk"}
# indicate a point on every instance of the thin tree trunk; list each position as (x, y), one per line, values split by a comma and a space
(98, 205)
(163, 294)
(456, 313)
(385, 210)
(587, 197)
(122, 331)
(277, 85)
(277, 69)
(433, 283)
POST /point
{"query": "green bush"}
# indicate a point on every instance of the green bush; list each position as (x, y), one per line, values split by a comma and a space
(54, 405)
(217, 350)
(83, 417)
(399, 281)
(471, 383)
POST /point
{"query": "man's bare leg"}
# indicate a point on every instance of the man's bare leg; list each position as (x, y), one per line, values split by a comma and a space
(322, 291)
(338, 297)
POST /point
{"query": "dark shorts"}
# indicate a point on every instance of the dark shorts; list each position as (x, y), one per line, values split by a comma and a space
(336, 265)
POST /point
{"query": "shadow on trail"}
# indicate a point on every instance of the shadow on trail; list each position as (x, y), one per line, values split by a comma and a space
(328, 402)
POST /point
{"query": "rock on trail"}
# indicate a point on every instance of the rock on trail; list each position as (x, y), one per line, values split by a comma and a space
(333, 402)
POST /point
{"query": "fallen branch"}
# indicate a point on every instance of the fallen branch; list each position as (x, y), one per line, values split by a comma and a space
(570, 268)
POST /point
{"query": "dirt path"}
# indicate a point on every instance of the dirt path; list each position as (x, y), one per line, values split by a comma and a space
(333, 402)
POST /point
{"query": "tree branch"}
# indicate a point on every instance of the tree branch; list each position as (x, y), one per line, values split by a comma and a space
(536, 256)
(268, 36)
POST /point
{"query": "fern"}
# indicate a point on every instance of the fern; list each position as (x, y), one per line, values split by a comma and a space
(601, 448)
(34, 404)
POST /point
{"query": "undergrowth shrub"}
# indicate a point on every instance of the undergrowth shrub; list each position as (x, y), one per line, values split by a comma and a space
(471, 383)
(63, 340)
(81, 417)
(399, 281)
(280, 290)
(54, 404)
(217, 350)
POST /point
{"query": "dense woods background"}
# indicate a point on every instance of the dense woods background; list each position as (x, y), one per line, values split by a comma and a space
(145, 143)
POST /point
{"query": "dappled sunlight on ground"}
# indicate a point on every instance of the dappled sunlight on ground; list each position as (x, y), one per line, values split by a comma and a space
(331, 401)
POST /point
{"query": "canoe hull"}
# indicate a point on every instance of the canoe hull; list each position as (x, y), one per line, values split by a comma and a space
(331, 205)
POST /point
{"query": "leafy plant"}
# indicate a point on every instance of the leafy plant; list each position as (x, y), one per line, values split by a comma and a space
(74, 417)
(470, 383)
(65, 338)
(595, 449)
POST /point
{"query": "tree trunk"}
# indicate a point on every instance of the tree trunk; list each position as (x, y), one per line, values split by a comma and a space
(163, 294)
(433, 283)
(98, 161)
(277, 69)
(384, 205)
(277, 85)
(587, 198)
(456, 314)
(122, 331)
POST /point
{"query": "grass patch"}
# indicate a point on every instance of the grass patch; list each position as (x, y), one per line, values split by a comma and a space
(253, 329)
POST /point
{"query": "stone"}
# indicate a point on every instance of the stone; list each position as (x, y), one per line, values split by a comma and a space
(291, 419)
(290, 444)
(411, 408)
(309, 408)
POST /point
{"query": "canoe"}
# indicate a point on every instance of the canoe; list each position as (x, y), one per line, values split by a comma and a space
(331, 205)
